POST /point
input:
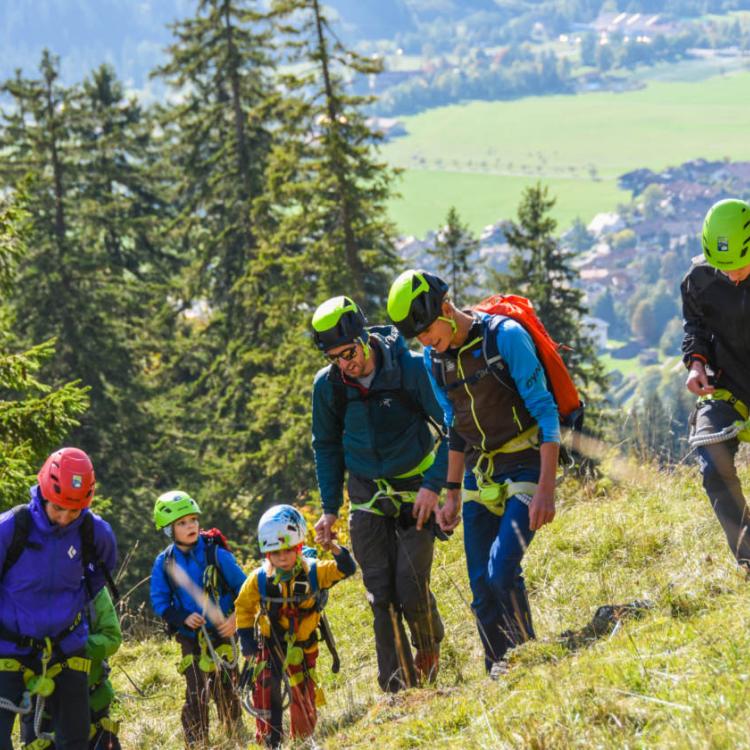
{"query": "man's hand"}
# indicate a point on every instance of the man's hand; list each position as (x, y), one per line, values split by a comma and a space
(697, 380)
(194, 620)
(324, 533)
(229, 627)
(449, 515)
(424, 504)
(542, 509)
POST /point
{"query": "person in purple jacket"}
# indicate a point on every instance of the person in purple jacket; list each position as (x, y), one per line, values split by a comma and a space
(55, 554)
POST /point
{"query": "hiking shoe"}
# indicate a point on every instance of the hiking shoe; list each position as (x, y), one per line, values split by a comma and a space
(427, 664)
(499, 669)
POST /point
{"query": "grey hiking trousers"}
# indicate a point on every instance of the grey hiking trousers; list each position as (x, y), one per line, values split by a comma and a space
(396, 560)
(719, 474)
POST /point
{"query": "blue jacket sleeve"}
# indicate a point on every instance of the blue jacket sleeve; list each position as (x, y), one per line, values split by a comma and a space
(434, 477)
(106, 551)
(345, 562)
(517, 348)
(232, 572)
(328, 449)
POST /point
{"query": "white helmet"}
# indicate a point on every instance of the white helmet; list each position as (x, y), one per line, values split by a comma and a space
(281, 527)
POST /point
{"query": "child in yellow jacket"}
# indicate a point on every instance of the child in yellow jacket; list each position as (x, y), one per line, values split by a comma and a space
(278, 611)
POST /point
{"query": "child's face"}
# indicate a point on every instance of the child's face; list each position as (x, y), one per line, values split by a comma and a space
(284, 559)
(186, 529)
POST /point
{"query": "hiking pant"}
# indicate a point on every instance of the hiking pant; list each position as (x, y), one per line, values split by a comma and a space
(68, 706)
(716, 463)
(494, 547)
(267, 697)
(396, 560)
(200, 688)
(102, 739)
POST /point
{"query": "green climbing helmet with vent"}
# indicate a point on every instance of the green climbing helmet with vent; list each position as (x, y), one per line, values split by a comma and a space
(415, 301)
(726, 235)
(172, 506)
(338, 321)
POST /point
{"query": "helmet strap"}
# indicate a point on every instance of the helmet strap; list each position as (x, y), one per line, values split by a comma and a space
(365, 347)
(168, 531)
(452, 323)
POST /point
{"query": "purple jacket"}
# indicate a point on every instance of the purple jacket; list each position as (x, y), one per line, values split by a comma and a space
(45, 590)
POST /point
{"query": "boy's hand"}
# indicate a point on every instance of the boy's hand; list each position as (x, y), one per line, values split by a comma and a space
(194, 620)
(229, 627)
(331, 547)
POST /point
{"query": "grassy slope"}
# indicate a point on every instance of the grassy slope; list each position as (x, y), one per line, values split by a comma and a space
(497, 146)
(679, 677)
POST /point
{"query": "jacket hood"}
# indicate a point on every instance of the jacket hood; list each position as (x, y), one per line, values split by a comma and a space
(391, 345)
(41, 520)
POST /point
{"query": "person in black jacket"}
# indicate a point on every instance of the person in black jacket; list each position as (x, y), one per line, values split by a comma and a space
(716, 351)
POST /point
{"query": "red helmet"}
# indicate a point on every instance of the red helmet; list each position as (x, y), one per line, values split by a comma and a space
(67, 479)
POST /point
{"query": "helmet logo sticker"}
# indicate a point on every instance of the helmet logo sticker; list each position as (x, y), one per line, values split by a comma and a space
(77, 481)
(722, 244)
(72, 551)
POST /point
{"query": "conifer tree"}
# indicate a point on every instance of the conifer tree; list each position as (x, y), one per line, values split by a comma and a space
(456, 254)
(91, 269)
(541, 270)
(323, 231)
(216, 140)
(35, 417)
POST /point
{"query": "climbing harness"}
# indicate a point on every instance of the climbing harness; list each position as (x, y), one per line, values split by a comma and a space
(739, 429)
(387, 500)
(40, 685)
(222, 658)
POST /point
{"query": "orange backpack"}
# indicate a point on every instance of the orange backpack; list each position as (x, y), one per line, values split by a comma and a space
(560, 382)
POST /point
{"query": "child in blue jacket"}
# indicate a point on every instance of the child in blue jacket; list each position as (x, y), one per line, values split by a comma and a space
(193, 579)
(54, 557)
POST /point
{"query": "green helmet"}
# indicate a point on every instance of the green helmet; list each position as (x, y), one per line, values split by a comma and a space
(172, 506)
(338, 321)
(726, 235)
(415, 301)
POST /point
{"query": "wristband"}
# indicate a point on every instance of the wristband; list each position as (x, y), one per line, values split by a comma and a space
(452, 485)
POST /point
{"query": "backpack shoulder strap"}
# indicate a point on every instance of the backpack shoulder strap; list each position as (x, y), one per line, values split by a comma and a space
(20, 539)
(91, 559)
(312, 577)
(491, 352)
(212, 559)
(262, 584)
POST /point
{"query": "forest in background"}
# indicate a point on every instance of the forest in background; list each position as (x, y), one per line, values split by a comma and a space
(160, 265)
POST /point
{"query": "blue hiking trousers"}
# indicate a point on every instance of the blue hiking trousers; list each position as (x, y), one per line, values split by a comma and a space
(495, 546)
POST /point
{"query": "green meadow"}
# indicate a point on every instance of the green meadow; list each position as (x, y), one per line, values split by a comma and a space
(478, 156)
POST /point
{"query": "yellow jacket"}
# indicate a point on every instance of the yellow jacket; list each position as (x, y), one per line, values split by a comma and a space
(247, 605)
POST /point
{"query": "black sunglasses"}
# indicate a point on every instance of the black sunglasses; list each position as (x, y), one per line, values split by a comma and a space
(347, 354)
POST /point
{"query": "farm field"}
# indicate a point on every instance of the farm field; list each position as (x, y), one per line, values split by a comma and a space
(479, 155)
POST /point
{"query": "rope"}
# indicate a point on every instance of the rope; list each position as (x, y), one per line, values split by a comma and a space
(219, 661)
(728, 433)
(39, 718)
(23, 709)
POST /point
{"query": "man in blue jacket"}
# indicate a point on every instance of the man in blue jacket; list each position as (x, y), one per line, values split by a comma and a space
(504, 436)
(372, 408)
(44, 589)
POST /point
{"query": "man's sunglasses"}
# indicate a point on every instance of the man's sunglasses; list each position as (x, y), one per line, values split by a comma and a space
(347, 354)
